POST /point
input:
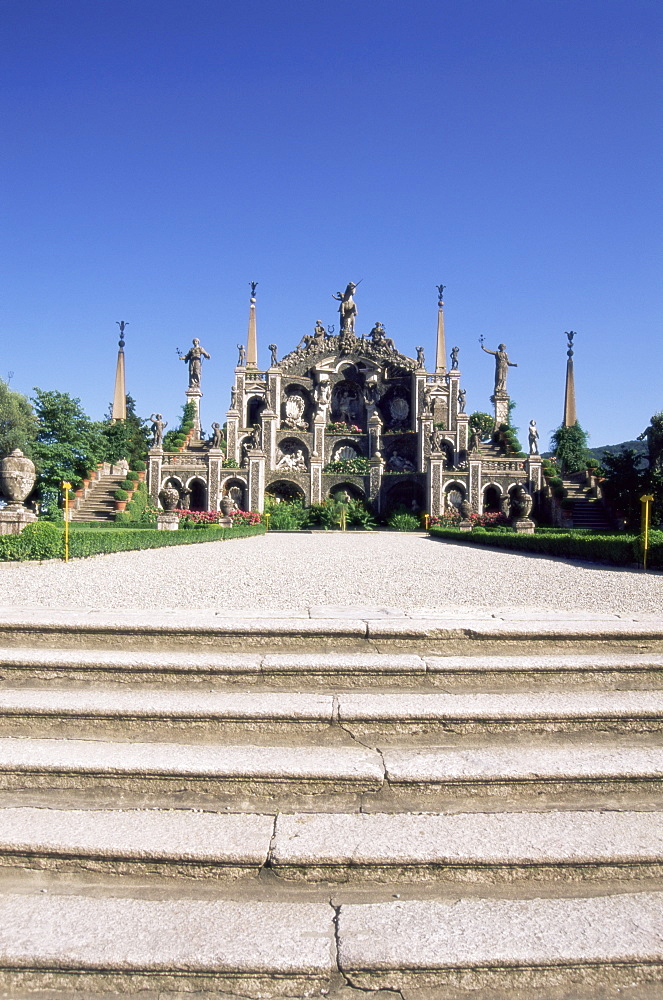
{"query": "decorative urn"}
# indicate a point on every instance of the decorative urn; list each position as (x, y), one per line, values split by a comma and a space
(227, 506)
(465, 509)
(17, 477)
(169, 498)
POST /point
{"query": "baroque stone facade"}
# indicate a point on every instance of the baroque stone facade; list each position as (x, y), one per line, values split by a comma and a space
(347, 412)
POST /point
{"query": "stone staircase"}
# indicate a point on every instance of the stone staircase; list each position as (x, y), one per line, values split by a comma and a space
(99, 504)
(342, 806)
(588, 511)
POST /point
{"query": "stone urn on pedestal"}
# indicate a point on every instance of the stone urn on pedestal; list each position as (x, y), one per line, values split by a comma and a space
(465, 509)
(168, 520)
(227, 505)
(17, 477)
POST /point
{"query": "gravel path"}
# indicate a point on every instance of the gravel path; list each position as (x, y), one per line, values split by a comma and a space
(295, 571)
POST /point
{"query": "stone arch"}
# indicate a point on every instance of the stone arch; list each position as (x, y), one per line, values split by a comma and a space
(347, 405)
(407, 493)
(255, 404)
(396, 408)
(355, 492)
(292, 455)
(447, 446)
(401, 454)
(198, 495)
(237, 489)
(454, 494)
(492, 498)
(341, 443)
(285, 489)
(295, 414)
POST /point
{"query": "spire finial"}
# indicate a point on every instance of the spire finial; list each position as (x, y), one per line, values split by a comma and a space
(252, 340)
(119, 408)
(440, 350)
(570, 417)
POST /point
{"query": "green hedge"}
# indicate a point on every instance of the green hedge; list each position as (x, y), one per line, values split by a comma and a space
(617, 550)
(45, 540)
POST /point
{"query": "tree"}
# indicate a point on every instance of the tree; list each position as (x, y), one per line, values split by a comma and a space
(570, 447)
(126, 438)
(68, 443)
(483, 423)
(624, 482)
(18, 424)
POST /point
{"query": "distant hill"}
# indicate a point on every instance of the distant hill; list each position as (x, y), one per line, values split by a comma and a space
(639, 447)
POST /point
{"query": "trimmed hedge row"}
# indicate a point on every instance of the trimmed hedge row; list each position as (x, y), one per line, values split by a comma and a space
(44, 540)
(617, 550)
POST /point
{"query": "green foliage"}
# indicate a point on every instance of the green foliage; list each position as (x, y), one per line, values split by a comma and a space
(286, 515)
(139, 510)
(46, 541)
(404, 521)
(18, 424)
(126, 438)
(570, 447)
(624, 483)
(128, 485)
(120, 495)
(358, 466)
(618, 550)
(176, 437)
(138, 465)
(133, 477)
(483, 423)
(68, 444)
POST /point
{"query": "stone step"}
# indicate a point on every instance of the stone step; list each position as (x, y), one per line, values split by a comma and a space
(125, 710)
(351, 670)
(377, 848)
(267, 949)
(184, 774)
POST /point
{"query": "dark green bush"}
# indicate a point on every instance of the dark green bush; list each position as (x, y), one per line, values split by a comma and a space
(133, 477)
(618, 550)
(128, 484)
(404, 522)
(560, 493)
(120, 495)
(42, 540)
(138, 465)
(555, 481)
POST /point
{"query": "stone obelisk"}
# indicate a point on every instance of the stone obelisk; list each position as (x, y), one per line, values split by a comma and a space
(252, 340)
(441, 350)
(570, 418)
(119, 410)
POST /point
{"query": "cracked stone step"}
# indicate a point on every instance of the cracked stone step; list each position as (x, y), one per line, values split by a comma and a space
(473, 847)
(475, 943)
(254, 948)
(377, 847)
(43, 710)
(27, 763)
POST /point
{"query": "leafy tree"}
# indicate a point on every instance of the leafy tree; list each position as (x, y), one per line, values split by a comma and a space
(570, 447)
(126, 438)
(18, 424)
(68, 444)
(483, 422)
(625, 481)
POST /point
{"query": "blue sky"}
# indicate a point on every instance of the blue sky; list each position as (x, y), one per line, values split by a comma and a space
(160, 155)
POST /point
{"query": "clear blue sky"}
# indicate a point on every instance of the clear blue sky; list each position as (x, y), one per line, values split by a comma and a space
(160, 154)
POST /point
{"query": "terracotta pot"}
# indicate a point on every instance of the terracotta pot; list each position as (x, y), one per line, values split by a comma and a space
(86, 483)
(78, 494)
(120, 504)
(141, 476)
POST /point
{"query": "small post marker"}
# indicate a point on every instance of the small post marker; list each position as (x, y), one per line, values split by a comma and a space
(426, 519)
(267, 517)
(645, 500)
(66, 487)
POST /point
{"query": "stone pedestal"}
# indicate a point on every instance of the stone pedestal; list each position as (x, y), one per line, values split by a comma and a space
(14, 518)
(524, 526)
(465, 526)
(154, 463)
(501, 403)
(194, 396)
(166, 521)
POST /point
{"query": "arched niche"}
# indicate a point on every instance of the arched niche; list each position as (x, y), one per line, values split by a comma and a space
(347, 404)
(296, 407)
(401, 454)
(254, 407)
(345, 448)
(236, 489)
(355, 492)
(454, 494)
(284, 490)
(492, 499)
(396, 408)
(406, 494)
(292, 455)
(198, 494)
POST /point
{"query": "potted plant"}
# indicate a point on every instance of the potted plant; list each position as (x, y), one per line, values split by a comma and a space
(121, 497)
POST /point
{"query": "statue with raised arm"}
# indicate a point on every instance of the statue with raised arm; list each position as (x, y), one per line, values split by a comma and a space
(217, 436)
(347, 308)
(502, 365)
(454, 358)
(421, 360)
(194, 358)
(158, 427)
(533, 438)
(241, 360)
(274, 359)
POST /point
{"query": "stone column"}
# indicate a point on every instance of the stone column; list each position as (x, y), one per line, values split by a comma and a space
(374, 435)
(454, 386)
(462, 431)
(501, 403)
(419, 380)
(269, 426)
(533, 470)
(319, 424)
(214, 459)
(475, 485)
(232, 435)
(375, 481)
(316, 481)
(154, 463)
(425, 431)
(435, 491)
(194, 396)
(256, 462)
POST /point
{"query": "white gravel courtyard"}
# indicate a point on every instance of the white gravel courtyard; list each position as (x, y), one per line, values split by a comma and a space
(297, 571)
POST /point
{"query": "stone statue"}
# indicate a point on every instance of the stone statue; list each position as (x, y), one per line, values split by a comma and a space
(421, 360)
(293, 460)
(254, 285)
(428, 399)
(256, 437)
(400, 463)
(241, 361)
(462, 393)
(502, 365)
(533, 437)
(294, 405)
(194, 357)
(158, 427)
(274, 360)
(454, 358)
(379, 339)
(476, 440)
(372, 394)
(319, 335)
(217, 436)
(233, 398)
(322, 396)
(347, 308)
(433, 441)
(185, 493)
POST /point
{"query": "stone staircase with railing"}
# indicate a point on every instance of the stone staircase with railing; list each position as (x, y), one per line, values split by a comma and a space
(588, 510)
(362, 803)
(98, 503)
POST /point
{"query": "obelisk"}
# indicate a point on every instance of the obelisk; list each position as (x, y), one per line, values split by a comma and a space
(441, 350)
(570, 418)
(119, 410)
(252, 341)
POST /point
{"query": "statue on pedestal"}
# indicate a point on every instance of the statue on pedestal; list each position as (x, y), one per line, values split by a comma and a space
(194, 358)
(274, 359)
(502, 365)
(533, 438)
(158, 427)
(347, 308)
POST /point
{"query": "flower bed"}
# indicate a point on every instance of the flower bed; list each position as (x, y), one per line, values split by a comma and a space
(213, 516)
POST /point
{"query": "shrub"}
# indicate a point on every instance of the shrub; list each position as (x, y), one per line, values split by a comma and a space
(42, 540)
(133, 477)
(138, 465)
(618, 550)
(120, 495)
(404, 522)
(358, 466)
(560, 493)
